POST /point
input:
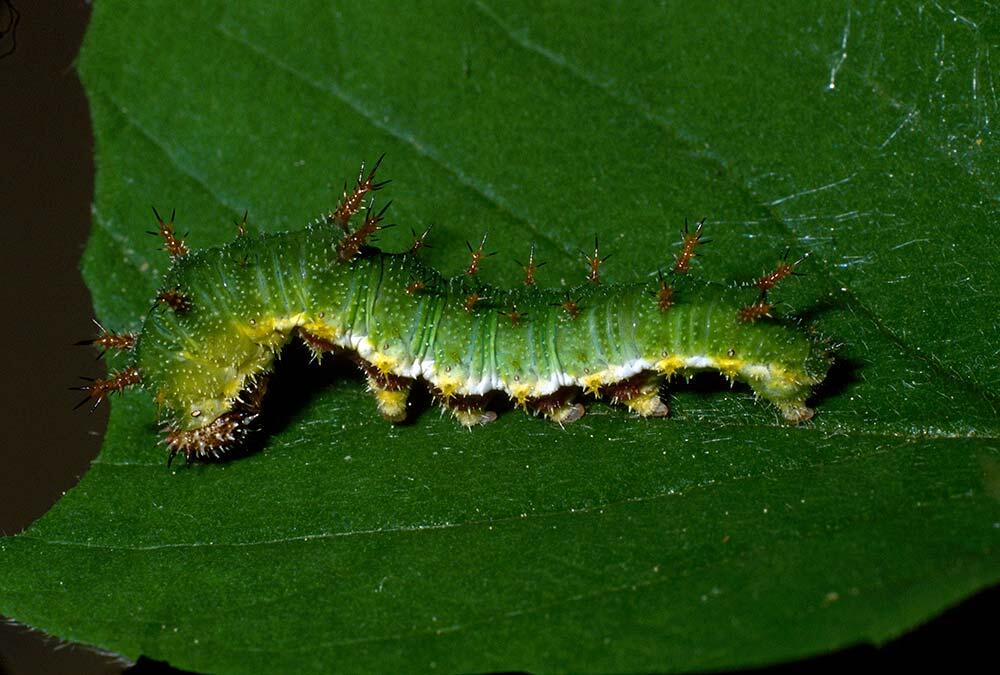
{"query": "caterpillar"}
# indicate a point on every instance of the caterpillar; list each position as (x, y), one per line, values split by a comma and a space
(223, 314)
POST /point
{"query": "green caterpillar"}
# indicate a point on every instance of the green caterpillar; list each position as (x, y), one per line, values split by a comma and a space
(223, 315)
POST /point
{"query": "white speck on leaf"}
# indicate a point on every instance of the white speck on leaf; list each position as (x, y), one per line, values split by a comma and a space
(842, 56)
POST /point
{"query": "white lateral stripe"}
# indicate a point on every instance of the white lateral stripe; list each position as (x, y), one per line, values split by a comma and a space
(426, 369)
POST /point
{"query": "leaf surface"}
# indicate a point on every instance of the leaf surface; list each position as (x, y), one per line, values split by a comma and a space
(718, 538)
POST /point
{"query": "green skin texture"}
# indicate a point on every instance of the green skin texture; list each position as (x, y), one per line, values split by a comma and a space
(247, 299)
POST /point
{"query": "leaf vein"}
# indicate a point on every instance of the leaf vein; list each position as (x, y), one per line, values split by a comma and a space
(422, 149)
(407, 529)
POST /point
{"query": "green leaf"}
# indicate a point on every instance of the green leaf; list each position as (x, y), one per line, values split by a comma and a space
(719, 538)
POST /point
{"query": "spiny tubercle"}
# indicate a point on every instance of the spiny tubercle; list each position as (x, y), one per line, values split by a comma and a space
(173, 245)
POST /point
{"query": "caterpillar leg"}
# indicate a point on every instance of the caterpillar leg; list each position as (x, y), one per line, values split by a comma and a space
(391, 400)
(787, 395)
(470, 411)
(796, 412)
(639, 393)
(391, 391)
(558, 407)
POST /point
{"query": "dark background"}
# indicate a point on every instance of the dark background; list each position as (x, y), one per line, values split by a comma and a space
(46, 187)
